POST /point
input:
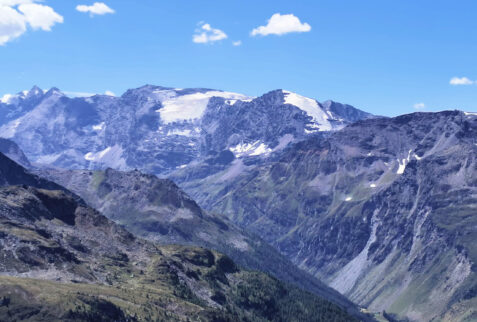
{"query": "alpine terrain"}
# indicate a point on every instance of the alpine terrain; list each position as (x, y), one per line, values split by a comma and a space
(61, 260)
(157, 210)
(384, 211)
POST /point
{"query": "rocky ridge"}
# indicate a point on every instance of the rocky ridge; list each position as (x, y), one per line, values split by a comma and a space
(383, 210)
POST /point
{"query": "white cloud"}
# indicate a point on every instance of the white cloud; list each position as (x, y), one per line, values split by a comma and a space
(419, 106)
(11, 3)
(87, 94)
(206, 34)
(237, 43)
(12, 24)
(40, 16)
(98, 8)
(461, 81)
(281, 24)
(17, 15)
(78, 94)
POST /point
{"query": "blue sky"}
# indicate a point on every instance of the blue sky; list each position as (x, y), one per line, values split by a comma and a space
(381, 56)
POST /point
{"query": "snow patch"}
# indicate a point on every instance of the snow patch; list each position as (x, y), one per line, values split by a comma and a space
(99, 127)
(231, 102)
(111, 156)
(90, 156)
(402, 166)
(311, 108)
(373, 185)
(192, 106)
(179, 132)
(348, 199)
(470, 113)
(250, 149)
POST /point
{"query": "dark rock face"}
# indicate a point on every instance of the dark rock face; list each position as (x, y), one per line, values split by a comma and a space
(12, 173)
(157, 129)
(374, 209)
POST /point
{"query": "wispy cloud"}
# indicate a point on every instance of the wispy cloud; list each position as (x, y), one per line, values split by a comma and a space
(98, 8)
(86, 94)
(461, 81)
(237, 43)
(17, 15)
(78, 94)
(281, 24)
(206, 34)
(419, 106)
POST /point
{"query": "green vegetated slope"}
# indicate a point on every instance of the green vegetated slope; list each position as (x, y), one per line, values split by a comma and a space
(157, 210)
(385, 211)
(61, 260)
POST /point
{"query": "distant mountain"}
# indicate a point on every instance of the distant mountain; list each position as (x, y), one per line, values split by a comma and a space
(384, 211)
(158, 129)
(61, 260)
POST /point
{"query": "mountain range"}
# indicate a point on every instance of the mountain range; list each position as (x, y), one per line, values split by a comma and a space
(380, 209)
(157, 129)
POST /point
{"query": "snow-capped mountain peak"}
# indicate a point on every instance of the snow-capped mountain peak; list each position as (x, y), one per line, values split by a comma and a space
(13, 99)
(158, 129)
